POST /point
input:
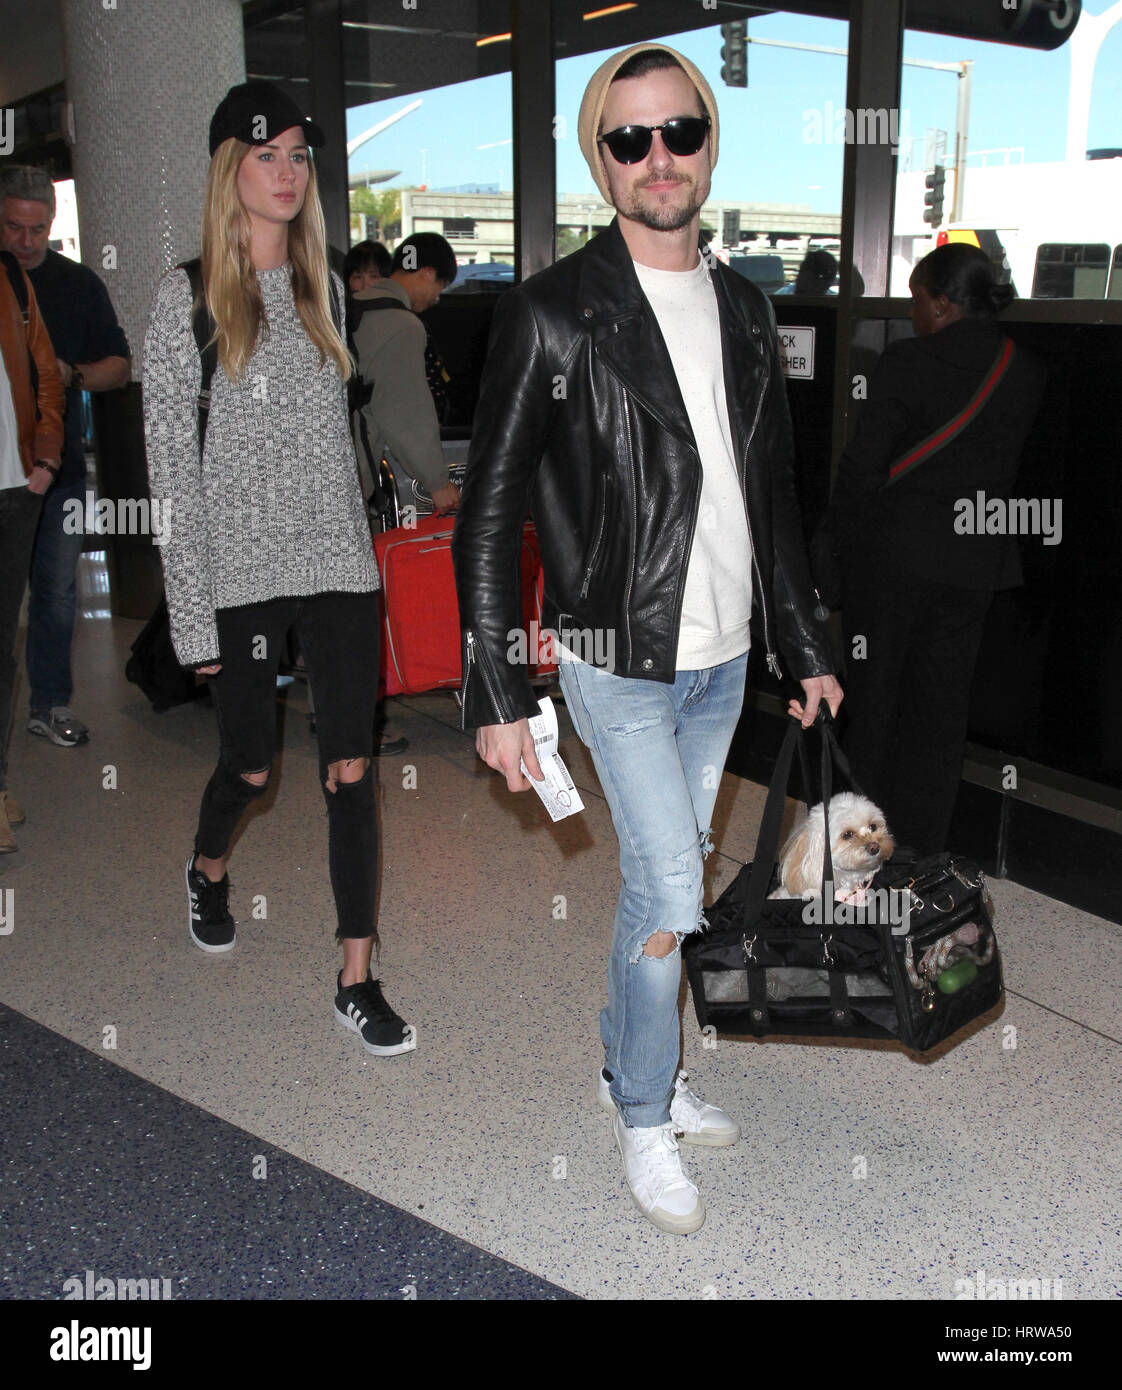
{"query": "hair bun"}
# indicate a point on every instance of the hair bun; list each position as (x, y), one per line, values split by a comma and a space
(1001, 296)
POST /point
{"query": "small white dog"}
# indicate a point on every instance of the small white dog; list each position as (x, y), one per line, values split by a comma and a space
(860, 843)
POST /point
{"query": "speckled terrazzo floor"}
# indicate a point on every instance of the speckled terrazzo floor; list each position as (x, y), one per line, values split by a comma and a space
(138, 1184)
(990, 1157)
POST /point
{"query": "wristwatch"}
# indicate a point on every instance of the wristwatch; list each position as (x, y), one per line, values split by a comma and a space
(76, 378)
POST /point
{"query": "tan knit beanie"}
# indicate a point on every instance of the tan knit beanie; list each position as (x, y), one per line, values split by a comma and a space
(592, 108)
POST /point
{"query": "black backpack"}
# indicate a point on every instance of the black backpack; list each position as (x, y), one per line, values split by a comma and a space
(155, 667)
(436, 374)
(382, 503)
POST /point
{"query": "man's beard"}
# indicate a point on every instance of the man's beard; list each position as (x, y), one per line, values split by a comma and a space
(667, 217)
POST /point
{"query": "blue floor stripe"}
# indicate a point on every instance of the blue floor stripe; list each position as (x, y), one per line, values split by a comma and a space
(103, 1171)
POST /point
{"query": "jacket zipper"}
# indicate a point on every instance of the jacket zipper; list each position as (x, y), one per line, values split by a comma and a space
(695, 510)
(772, 659)
(477, 658)
(599, 537)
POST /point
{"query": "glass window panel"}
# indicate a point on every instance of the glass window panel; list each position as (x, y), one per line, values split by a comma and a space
(1020, 192)
(428, 93)
(1071, 272)
(276, 49)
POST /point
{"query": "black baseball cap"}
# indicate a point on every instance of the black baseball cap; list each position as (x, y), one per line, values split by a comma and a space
(256, 112)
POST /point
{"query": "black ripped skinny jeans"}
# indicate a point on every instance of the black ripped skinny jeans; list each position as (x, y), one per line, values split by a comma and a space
(339, 635)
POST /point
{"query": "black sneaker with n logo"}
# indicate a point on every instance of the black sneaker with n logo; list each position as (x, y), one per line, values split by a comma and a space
(363, 1009)
(208, 917)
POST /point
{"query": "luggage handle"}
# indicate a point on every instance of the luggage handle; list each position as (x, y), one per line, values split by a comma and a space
(767, 840)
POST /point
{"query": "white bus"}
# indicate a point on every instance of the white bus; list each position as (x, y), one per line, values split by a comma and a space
(1055, 228)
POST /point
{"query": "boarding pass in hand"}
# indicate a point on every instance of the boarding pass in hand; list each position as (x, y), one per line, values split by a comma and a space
(559, 797)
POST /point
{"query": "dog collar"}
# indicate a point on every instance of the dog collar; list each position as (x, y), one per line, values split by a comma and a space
(857, 888)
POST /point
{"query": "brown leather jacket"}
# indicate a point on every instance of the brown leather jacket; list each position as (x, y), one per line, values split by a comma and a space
(42, 438)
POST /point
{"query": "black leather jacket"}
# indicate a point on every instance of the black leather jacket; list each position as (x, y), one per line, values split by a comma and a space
(580, 421)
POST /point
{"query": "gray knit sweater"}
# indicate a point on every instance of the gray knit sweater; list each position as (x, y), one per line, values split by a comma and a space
(275, 507)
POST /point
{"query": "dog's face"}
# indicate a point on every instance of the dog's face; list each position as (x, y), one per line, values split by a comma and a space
(860, 843)
(860, 838)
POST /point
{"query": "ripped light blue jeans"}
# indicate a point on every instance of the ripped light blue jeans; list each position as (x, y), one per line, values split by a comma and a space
(659, 751)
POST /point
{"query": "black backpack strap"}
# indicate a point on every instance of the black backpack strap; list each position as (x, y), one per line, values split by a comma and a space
(333, 300)
(205, 330)
(362, 390)
(370, 306)
(356, 308)
(19, 289)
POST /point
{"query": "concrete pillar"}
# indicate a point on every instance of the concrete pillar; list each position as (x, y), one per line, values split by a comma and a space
(142, 78)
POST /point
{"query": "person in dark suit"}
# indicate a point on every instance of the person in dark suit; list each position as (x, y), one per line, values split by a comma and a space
(947, 416)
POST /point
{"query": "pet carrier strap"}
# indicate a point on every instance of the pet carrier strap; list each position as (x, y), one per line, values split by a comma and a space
(839, 997)
(767, 841)
(841, 761)
(829, 748)
(757, 995)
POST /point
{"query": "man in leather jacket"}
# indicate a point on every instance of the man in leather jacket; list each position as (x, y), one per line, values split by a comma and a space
(632, 401)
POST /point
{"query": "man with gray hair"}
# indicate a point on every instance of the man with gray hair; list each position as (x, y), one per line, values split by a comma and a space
(30, 445)
(92, 355)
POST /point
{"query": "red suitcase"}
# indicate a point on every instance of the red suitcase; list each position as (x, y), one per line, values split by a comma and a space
(421, 632)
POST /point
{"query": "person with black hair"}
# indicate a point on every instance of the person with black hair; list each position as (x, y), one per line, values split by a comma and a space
(365, 264)
(429, 257)
(817, 273)
(947, 416)
(398, 365)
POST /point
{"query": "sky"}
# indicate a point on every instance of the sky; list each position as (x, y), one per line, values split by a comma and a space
(1019, 100)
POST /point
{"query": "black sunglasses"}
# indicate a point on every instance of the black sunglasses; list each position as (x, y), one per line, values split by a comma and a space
(682, 135)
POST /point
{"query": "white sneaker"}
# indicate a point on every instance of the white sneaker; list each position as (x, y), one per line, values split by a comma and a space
(694, 1121)
(659, 1188)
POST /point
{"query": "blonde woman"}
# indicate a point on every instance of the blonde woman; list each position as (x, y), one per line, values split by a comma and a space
(267, 526)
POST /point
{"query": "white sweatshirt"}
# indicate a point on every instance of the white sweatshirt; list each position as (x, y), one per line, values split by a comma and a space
(718, 595)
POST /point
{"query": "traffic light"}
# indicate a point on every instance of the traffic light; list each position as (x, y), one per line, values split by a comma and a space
(734, 53)
(730, 226)
(933, 198)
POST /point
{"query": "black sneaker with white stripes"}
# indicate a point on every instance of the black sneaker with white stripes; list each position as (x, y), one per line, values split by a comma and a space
(208, 917)
(363, 1009)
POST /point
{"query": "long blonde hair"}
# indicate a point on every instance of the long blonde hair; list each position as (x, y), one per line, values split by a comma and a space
(232, 290)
